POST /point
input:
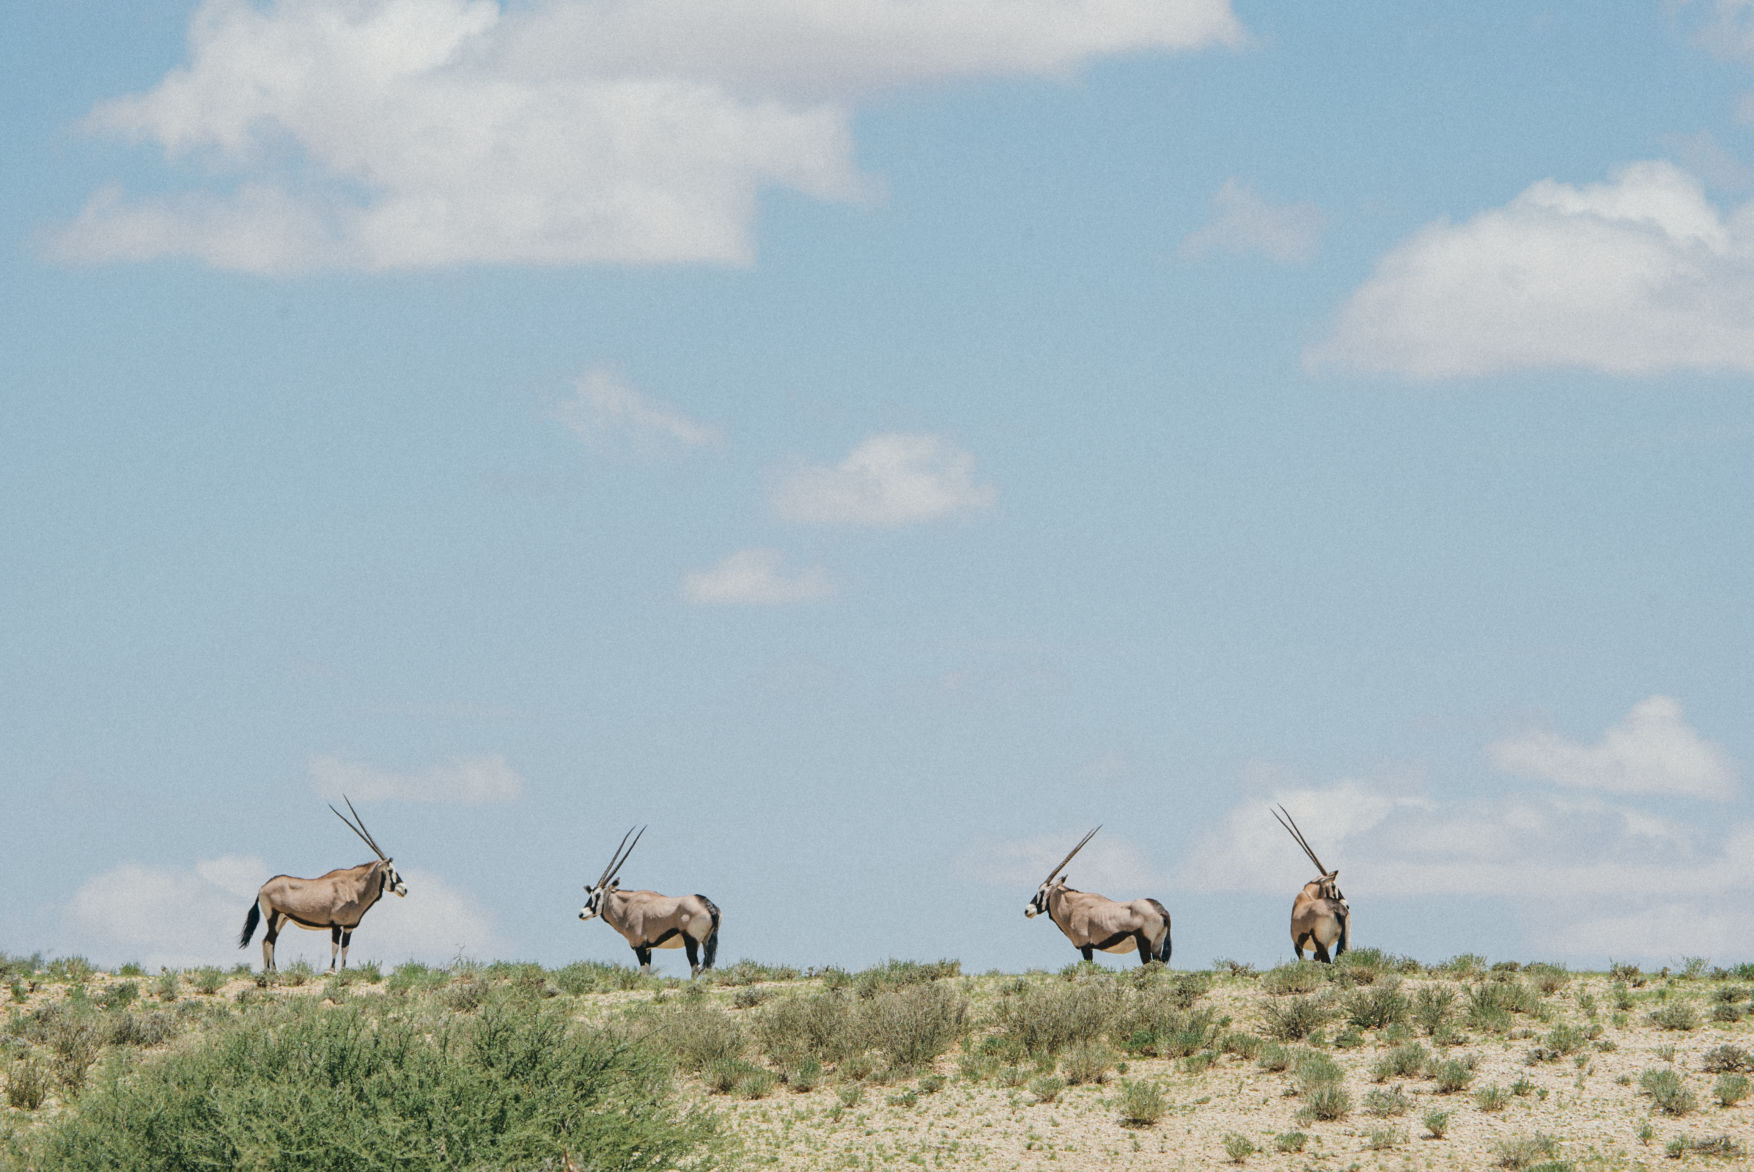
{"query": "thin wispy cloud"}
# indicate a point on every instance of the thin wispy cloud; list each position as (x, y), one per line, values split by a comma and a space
(605, 413)
(1636, 276)
(756, 577)
(888, 481)
(179, 916)
(410, 134)
(1652, 751)
(1244, 221)
(464, 781)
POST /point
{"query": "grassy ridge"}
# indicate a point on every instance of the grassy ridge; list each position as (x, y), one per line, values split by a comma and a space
(517, 1066)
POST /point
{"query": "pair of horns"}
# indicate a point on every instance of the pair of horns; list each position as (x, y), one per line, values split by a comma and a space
(620, 858)
(358, 827)
(1291, 829)
(1068, 858)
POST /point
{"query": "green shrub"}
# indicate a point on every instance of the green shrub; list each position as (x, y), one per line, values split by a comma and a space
(1676, 1015)
(749, 972)
(1302, 977)
(1313, 1069)
(892, 975)
(1728, 1058)
(821, 1025)
(1088, 1061)
(207, 980)
(1292, 1019)
(27, 1082)
(1045, 1018)
(1722, 1147)
(1046, 1087)
(1141, 1103)
(915, 1024)
(1730, 1089)
(1383, 1103)
(1491, 1098)
(1432, 1006)
(1402, 1062)
(299, 1087)
(1560, 1042)
(1326, 1103)
(1238, 1147)
(1437, 1123)
(1378, 1006)
(1452, 1076)
(698, 1035)
(1273, 1057)
(1522, 1151)
(1290, 1141)
(1669, 1094)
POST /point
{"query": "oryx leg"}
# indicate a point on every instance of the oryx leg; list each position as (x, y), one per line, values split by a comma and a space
(268, 939)
(1146, 956)
(1299, 943)
(346, 939)
(1088, 952)
(334, 944)
(693, 948)
(1321, 950)
(645, 960)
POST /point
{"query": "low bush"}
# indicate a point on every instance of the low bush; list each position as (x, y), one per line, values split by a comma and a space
(1676, 1015)
(1293, 1019)
(1378, 1006)
(1432, 1006)
(292, 1087)
(1290, 1141)
(1384, 1103)
(1668, 1092)
(1238, 1147)
(1141, 1103)
(1302, 977)
(1521, 1152)
(1730, 1089)
(1403, 1061)
(1437, 1123)
(1728, 1058)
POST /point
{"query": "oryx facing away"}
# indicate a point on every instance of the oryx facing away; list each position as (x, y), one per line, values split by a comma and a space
(649, 920)
(335, 901)
(1093, 921)
(1320, 915)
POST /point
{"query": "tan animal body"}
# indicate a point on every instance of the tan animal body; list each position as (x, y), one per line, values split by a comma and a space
(1320, 916)
(335, 901)
(648, 920)
(1093, 922)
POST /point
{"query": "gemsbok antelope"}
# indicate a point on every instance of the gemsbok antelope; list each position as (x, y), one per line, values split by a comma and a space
(649, 920)
(335, 901)
(1320, 915)
(1093, 921)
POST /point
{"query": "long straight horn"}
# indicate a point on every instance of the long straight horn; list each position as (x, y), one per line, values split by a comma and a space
(622, 862)
(1290, 825)
(359, 830)
(619, 857)
(1068, 858)
(369, 836)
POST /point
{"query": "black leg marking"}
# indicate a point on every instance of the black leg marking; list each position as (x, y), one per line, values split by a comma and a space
(693, 949)
(1144, 942)
(1089, 952)
(1322, 953)
(346, 939)
(645, 959)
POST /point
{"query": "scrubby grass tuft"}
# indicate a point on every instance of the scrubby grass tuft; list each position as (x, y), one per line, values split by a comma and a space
(1669, 1094)
(1141, 1103)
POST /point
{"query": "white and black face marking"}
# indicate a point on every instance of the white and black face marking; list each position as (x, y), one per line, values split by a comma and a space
(593, 903)
(393, 881)
(1039, 905)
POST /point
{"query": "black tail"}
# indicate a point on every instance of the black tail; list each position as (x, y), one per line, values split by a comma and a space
(1163, 953)
(712, 942)
(250, 922)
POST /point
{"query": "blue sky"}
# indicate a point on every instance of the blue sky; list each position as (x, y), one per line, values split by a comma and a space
(873, 443)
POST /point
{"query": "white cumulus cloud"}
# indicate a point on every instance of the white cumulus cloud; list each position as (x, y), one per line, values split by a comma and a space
(407, 134)
(468, 781)
(1634, 276)
(1245, 221)
(1652, 751)
(756, 577)
(886, 482)
(184, 916)
(604, 410)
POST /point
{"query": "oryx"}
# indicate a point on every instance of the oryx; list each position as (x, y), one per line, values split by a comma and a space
(1320, 915)
(334, 901)
(1093, 921)
(649, 920)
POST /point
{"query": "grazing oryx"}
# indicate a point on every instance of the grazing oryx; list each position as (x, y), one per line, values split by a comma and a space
(335, 901)
(1320, 915)
(1093, 921)
(650, 920)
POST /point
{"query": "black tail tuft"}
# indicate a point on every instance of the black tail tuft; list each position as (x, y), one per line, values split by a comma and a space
(250, 922)
(712, 942)
(1163, 953)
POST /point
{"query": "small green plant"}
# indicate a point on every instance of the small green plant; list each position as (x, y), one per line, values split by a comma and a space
(1436, 1122)
(1728, 1058)
(1378, 1006)
(1522, 1088)
(1326, 1103)
(1290, 1141)
(1522, 1152)
(806, 1076)
(1401, 1062)
(1293, 1019)
(1668, 1093)
(1238, 1147)
(1491, 1098)
(850, 1094)
(1730, 1089)
(1452, 1075)
(27, 1083)
(1676, 1015)
(1383, 1103)
(1046, 1087)
(207, 980)
(1087, 1062)
(1141, 1103)
(1273, 1058)
(1379, 1139)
